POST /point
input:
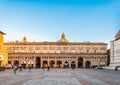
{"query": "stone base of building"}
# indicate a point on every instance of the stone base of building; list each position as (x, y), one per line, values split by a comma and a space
(113, 65)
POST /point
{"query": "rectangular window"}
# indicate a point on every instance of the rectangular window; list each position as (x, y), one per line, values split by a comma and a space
(87, 51)
(94, 51)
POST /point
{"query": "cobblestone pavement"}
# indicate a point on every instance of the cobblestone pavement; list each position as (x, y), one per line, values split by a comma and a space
(60, 77)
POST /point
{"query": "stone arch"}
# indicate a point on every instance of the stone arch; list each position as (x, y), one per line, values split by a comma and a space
(72, 64)
(9, 62)
(30, 64)
(23, 64)
(45, 64)
(52, 63)
(87, 64)
(80, 62)
(59, 64)
(66, 64)
(16, 63)
(38, 62)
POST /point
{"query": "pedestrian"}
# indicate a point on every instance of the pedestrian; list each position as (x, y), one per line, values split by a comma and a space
(48, 68)
(29, 69)
(3, 68)
(20, 68)
(14, 69)
(43, 68)
(116, 68)
(73, 67)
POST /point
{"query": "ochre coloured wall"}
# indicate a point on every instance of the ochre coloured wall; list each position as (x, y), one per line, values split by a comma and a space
(3, 52)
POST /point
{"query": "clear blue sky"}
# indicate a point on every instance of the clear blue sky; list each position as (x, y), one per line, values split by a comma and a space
(46, 20)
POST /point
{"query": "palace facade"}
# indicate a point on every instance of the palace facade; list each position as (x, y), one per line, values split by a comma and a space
(56, 54)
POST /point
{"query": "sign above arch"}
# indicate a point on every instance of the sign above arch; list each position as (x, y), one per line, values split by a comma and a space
(23, 62)
(30, 62)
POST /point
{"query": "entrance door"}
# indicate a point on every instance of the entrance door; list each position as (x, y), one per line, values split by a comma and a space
(59, 64)
(72, 64)
(23, 65)
(87, 64)
(80, 62)
(66, 65)
(38, 62)
(16, 63)
(45, 64)
(30, 65)
(52, 63)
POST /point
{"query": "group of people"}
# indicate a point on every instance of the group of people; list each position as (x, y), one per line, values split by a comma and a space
(15, 68)
(48, 68)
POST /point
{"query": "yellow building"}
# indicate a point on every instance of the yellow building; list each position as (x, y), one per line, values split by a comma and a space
(3, 53)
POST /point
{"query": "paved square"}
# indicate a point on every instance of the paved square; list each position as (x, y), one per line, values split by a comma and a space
(60, 77)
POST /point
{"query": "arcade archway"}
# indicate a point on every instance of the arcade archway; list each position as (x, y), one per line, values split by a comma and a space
(16, 63)
(59, 64)
(9, 62)
(38, 62)
(30, 64)
(80, 62)
(45, 64)
(23, 64)
(52, 64)
(72, 64)
(66, 64)
(87, 64)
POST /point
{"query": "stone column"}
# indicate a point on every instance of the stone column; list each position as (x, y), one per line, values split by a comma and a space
(76, 62)
(98, 61)
(26, 63)
(41, 62)
(91, 60)
(84, 62)
(55, 62)
(48, 61)
(62, 61)
(69, 64)
(12, 63)
(34, 62)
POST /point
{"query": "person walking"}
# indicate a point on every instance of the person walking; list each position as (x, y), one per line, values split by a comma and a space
(43, 68)
(14, 69)
(48, 68)
(29, 69)
(20, 68)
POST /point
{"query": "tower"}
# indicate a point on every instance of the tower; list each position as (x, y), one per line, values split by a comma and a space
(24, 39)
(3, 53)
(63, 38)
